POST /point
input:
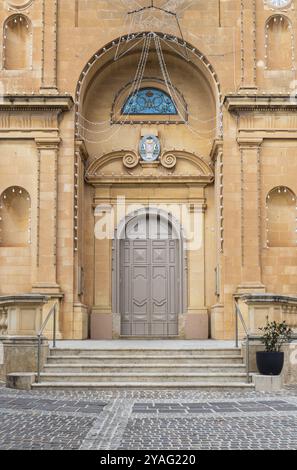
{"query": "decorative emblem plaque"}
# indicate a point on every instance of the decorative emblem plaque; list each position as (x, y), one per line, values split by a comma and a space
(149, 148)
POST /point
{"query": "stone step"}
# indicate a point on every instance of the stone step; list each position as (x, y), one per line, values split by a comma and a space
(152, 385)
(143, 377)
(144, 359)
(136, 368)
(132, 352)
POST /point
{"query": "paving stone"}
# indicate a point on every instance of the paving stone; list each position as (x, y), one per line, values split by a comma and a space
(138, 419)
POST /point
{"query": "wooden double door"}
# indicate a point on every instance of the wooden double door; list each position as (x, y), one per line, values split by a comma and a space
(149, 286)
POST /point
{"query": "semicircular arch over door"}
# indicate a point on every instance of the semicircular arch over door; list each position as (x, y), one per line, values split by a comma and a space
(151, 280)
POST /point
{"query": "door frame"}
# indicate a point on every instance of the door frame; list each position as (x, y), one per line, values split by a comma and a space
(116, 262)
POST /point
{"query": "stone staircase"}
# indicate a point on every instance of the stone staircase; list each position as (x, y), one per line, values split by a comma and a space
(140, 368)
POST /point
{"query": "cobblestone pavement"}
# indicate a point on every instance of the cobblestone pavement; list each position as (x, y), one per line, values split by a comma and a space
(159, 420)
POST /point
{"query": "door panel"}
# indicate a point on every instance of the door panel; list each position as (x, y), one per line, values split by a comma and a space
(149, 286)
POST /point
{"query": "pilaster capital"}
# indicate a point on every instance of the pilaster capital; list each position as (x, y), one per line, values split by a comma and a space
(81, 149)
(47, 143)
(217, 147)
(248, 143)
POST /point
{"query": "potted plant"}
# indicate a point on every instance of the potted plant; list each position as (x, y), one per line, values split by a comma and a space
(275, 335)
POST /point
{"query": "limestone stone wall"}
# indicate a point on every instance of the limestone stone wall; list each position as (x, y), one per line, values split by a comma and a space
(242, 126)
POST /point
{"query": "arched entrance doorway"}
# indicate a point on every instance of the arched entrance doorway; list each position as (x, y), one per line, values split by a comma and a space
(150, 276)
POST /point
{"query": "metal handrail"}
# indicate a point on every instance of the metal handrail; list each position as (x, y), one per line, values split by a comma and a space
(52, 312)
(238, 314)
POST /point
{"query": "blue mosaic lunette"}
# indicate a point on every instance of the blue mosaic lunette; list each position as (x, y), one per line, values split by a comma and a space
(149, 101)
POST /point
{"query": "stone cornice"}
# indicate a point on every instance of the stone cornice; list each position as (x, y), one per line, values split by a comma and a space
(200, 173)
(6, 300)
(169, 180)
(60, 103)
(269, 298)
(237, 103)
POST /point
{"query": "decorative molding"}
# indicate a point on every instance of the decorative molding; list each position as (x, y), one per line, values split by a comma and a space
(237, 103)
(249, 142)
(81, 148)
(47, 143)
(168, 160)
(201, 172)
(101, 53)
(19, 7)
(217, 147)
(276, 122)
(31, 114)
(38, 102)
(131, 160)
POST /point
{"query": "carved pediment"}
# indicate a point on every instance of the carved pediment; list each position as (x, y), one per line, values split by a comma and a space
(176, 166)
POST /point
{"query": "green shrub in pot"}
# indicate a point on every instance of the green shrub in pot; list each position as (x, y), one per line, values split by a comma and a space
(275, 335)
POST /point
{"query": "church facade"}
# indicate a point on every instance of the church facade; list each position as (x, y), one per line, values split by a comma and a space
(148, 164)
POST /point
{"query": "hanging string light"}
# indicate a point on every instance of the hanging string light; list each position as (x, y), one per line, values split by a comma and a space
(87, 129)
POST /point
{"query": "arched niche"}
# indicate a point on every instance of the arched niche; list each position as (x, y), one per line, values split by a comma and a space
(17, 43)
(279, 43)
(103, 79)
(15, 217)
(281, 215)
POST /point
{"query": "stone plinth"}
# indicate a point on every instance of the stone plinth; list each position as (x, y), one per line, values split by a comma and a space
(19, 354)
(21, 315)
(268, 383)
(256, 308)
(290, 366)
(20, 381)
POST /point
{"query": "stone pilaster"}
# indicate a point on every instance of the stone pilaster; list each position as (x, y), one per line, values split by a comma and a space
(46, 249)
(250, 220)
(49, 46)
(248, 44)
(81, 156)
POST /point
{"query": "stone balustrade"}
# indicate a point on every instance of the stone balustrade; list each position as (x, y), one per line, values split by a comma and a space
(256, 308)
(3, 321)
(21, 315)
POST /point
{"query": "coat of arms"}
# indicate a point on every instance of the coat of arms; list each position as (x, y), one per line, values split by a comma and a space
(150, 148)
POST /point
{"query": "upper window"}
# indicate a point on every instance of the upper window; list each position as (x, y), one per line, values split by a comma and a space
(149, 101)
(153, 102)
